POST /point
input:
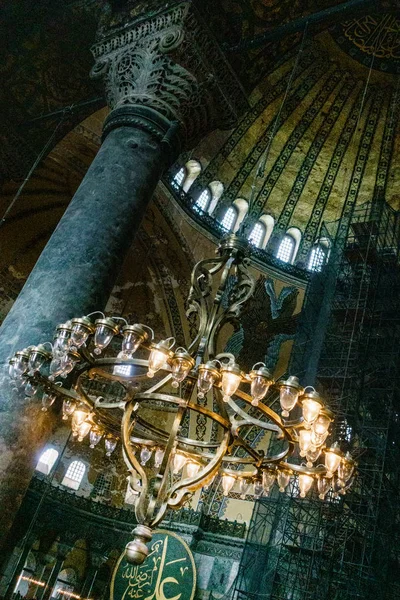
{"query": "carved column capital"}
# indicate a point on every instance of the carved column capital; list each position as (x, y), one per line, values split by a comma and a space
(164, 60)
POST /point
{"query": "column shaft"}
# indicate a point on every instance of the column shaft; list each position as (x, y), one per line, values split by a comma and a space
(74, 276)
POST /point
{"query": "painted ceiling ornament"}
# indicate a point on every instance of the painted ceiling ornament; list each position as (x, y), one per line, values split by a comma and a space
(154, 378)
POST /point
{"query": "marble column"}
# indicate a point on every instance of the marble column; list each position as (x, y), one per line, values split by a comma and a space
(161, 82)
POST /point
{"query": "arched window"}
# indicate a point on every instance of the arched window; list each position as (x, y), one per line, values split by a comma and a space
(257, 235)
(203, 200)
(179, 177)
(317, 258)
(286, 249)
(229, 220)
(74, 475)
(46, 461)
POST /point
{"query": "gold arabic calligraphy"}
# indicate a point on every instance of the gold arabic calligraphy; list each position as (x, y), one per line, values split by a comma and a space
(373, 34)
(148, 581)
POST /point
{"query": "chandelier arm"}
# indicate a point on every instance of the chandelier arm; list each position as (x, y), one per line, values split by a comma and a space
(319, 470)
(159, 494)
(241, 442)
(132, 462)
(272, 415)
(249, 419)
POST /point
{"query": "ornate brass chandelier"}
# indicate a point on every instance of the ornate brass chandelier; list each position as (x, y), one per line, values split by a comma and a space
(195, 380)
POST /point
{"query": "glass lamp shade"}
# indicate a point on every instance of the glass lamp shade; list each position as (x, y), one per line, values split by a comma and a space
(283, 479)
(68, 362)
(47, 401)
(81, 329)
(145, 455)
(305, 484)
(68, 408)
(133, 336)
(78, 417)
(104, 333)
(258, 489)
(192, 468)
(244, 485)
(179, 462)
(345, 469)
(333, 457)
(182, 363)
(304, 441)
(55, 368)
(208, 375)
(37, 358)
(158, 357)
(324, 485)
(288, 394)
(312, 455)
(311, 406)
(95, 437)
(268, 480)
(11, 370)
(83, 430)
(209, 482)
(61, 342)
(231, 378)
(158, 457)
(21, 363)
(110, 444)
(322, 422)
(228, 482)
(31, 389)
(318, 440)
(261, 380)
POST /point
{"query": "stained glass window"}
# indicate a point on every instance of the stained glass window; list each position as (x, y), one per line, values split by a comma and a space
(257, 234)
(229, 219)
(286, 249)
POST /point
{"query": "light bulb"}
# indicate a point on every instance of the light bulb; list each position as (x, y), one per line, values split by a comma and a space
(95, 437)
(208, 375)
(83, 430)
(283, 479)
(231, 378)
(258, 489)
(145, 455)
(31, 389)
(104, 333)
(324, 485)
(182, 363)
(68, 408)
(192, 468)
(110, 444)
(322, 422)
(179, 462)
(268, 479)
(304, 441)
(260, 382)
(68, 362)
(288, 394)
(81, 329)
(244, 485)
(311, 406)
(158, 457)
(312, 455)
(133, 336)
(227, 483)
(333, 457)
(47, 401)
(305, 483)
(158, 357)
(55, 368)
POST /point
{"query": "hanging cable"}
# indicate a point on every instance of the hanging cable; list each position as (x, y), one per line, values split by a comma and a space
(41, 155)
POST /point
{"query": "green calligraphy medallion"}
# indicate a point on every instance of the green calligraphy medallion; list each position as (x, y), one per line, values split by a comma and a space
(168, 573)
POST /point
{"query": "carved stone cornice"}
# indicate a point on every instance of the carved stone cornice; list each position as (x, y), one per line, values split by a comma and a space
(166, 61)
